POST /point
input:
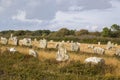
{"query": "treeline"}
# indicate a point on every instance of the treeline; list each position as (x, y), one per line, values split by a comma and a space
(83, 35)
(45, 33)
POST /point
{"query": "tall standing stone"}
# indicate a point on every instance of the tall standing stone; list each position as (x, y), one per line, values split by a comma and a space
(109, 45)
(99, 43)
(75, 46)
(43, 43)
(62, 54)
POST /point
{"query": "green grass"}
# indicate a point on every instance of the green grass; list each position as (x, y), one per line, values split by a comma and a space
(24, 67)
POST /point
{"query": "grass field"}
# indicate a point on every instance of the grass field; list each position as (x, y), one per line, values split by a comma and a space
(21, 66)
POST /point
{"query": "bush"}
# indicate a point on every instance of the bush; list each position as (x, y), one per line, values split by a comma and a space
(24, 67)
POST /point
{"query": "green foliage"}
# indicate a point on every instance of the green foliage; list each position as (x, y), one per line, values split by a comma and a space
(106, 32)
(113, 31)
(41, 32)
(115, 34)
(96, 33)
(62, 32)
(81, 32)
(115, 27)
(72, 32)
(20, 33)
(24, 67)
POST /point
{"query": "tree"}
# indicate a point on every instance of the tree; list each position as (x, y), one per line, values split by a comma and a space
(115, 27)
(115, 30)
(20, 33)
(106, 32)
(72, 32)
(81, 32)
(41, 33)
(62, 32)
(96, 33)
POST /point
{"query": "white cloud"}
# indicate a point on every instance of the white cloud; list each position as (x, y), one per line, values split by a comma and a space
(33, 3)
(74, 20)
(1, 9)
(21, 16)
(6, 3)
(75, 8)
(89, 19)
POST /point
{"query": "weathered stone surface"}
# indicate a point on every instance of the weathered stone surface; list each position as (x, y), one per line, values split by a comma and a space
(33, 53)
(26, 42)
(62, 54)
(75, 46)
(43, 43)
(99, 50)
(117, 53)
(13, 41)
(95, 60)
(4, 40)
(109, 45)
(12, 50)
(99, 43)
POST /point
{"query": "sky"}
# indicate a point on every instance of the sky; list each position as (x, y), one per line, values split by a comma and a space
(53, 15)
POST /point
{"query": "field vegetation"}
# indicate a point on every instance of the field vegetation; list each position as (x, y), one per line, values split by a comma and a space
(21, 66)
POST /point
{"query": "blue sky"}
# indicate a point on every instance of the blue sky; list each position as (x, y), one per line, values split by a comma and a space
(55, 14)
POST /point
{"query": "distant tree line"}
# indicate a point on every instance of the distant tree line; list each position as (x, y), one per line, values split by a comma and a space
(112, 31)
(83, 35)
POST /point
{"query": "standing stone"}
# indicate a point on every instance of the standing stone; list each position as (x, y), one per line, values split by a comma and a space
(99, 43)
(63, 41)
(33, 53)
(113, 45)
(15, 41)
(109, 45)
(4, 40)
(116, 45)
(75, 46)
(68, 41)
(117, 53)
(26, 42)
(43, 43)
(51, 41)
(99, 50)
(35, 39)
(11, 36)
(62, 54)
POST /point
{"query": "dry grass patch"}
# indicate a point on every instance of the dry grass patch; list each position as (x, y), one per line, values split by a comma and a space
(50, 54)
